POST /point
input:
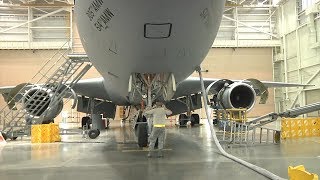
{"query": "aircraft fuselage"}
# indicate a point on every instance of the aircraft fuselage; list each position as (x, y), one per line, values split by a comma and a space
(124, 37)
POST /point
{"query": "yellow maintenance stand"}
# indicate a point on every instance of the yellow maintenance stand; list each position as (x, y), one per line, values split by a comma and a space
(238, 115)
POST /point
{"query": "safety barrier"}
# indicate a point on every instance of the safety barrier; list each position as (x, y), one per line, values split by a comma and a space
(45, 133)
(299, 128)
(299, 173)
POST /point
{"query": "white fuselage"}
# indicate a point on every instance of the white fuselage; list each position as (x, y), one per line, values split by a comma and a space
(146, 36)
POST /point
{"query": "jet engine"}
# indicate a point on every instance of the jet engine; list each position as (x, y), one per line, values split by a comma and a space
(36, 101)
(237, 95)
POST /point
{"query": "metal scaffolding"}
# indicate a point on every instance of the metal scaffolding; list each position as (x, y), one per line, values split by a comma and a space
(35, 24)
(248, 23)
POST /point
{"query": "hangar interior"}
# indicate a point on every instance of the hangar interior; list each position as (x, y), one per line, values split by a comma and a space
(269, 40)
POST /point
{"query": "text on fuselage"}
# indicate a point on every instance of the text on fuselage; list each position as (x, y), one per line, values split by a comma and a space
(94, 8)
(103, 20)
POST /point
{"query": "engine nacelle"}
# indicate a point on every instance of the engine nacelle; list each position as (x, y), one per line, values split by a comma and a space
(237, 95)
(37, 100)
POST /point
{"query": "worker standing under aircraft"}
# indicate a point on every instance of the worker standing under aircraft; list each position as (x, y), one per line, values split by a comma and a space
(158, 131)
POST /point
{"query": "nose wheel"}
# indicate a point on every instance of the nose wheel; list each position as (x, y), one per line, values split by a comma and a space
(94, 133)
(142, 133)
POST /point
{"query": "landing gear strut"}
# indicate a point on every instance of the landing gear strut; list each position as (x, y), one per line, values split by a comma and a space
(149, 88)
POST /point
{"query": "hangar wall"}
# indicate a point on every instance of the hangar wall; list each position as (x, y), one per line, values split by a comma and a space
(298, 59)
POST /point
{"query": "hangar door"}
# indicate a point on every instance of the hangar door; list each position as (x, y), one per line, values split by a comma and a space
(313, 96)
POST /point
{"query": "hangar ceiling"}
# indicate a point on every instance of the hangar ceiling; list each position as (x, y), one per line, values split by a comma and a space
(248, 23)
(30, 24)
(47, 24)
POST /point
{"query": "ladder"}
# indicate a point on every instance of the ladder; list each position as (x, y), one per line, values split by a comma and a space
(290, 113)
(54, 80)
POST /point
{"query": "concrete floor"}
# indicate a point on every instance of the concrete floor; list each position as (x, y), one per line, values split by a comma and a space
(189, 154)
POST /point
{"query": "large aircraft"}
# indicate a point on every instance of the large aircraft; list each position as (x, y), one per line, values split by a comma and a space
(145, 51)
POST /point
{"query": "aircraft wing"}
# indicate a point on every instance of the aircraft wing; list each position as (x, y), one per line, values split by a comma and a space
(6, 89)
(83, 89)
(91, 88)
(88, 87)
(191, 85)
(95, 87)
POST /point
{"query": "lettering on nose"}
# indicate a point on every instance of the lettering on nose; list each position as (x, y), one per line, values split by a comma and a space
(205, 16)
(94, 8)
(103, 20)
(99, 20)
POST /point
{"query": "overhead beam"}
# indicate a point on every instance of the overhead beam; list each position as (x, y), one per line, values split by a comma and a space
(46, 5)
(256, 29)
(270, 16)
(36, 19)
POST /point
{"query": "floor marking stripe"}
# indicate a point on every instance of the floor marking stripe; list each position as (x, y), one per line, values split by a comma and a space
(142, 150)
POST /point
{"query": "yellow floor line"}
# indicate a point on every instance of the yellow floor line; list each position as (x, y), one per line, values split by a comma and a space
(143, 150)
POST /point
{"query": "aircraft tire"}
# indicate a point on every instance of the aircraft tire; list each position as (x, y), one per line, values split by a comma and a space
(192, 120)
(182, 121)
(142, 132)
(195, 118)
(94, 133)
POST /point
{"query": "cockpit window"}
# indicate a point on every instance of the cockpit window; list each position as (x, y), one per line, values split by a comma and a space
(157, 31)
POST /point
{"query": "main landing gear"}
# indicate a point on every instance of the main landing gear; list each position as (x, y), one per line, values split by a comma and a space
(193, 118)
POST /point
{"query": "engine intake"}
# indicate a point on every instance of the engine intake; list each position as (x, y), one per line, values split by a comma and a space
(237, 95)
(36, 101)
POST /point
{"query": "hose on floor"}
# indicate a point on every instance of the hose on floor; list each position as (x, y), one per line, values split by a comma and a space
(258, 169)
